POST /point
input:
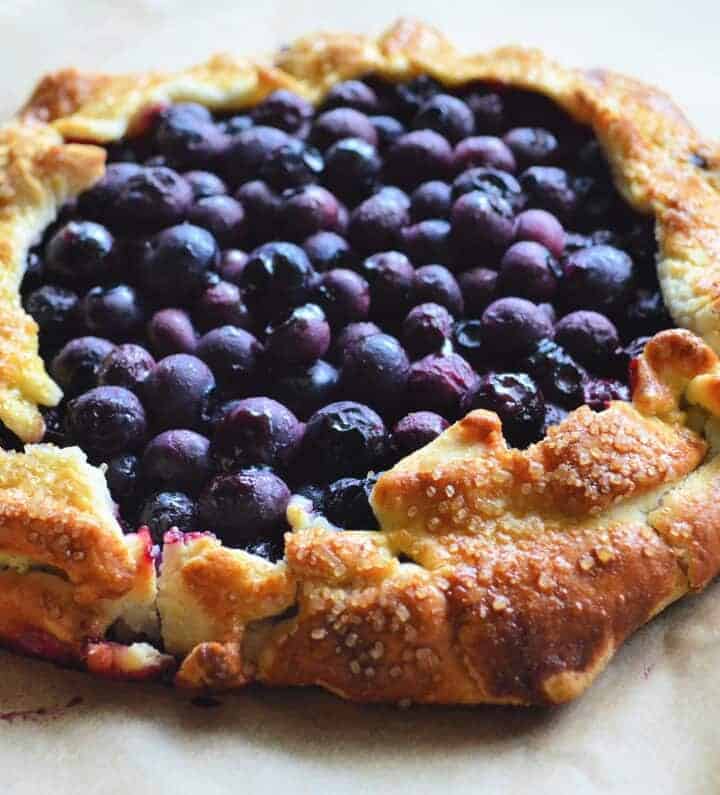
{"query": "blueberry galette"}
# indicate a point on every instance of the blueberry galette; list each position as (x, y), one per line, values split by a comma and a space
(375, 366)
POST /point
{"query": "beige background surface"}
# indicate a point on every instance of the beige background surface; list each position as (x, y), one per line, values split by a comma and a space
(649, 724)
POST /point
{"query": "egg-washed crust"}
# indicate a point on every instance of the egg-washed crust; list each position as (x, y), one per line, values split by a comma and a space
(498, 575)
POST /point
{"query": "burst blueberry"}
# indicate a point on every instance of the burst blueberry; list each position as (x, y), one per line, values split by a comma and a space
(127, 365)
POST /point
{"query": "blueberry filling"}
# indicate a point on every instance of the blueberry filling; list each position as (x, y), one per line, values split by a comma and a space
(290, 299)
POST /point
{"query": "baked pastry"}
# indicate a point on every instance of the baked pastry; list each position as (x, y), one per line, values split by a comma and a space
(289, 279)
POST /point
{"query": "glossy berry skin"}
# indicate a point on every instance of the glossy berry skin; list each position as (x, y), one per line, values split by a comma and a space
(344, 296)
(204, 184)
(292, 165)
(80, 251)
(391, 277)
(541, 227)
(308, 210)
(328, 250)
(152, 198)
(493, 183)
(588, 336)
(481, 222)
(469, 341)
(550, 188)
(179, 258)
(232, 264)
(283, 109)
(115, 312)
(221, 305)
(242, 506)
(513, 326)
(447, 115)
(306, 389)
(277, 277)
(343, 439)
(188, 138)
(388, 130)
(417, 157)
(428, 242)
(107, 420)
(352, 167)
(233, 355)
(560, 377)
(338, 123)
(443, 383)
(176, 389)
(351, 334)
(598, 278)
(248, 152)
(435, 284)
(258, 431)
(300, 339)
(352, 94)
(517, 401)
(430, 200)
(479, 288)
(97, 202)
(76, 365)
(426, 328)
(415, 430)
(122, 476)
(375, 370)
(483, 150)
(177, 459)
(54, 309)
(127, 365)
(527, 270)
(376, 223)
(532, 146)
(171, 331)
(167, 510)
(222, 216)
(346, 504)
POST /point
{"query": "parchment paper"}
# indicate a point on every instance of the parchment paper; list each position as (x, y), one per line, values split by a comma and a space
(650, 722)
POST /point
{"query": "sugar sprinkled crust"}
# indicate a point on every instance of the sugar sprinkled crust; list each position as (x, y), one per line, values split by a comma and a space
(524, 570)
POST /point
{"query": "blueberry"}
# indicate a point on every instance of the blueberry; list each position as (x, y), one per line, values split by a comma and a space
(328, 250)
(338, 123)
(97, 202)
(435, 284)
(513, 326)
(55, 432)
(34, 271)
(588, 336)
(430, 200)
(352, 94)
(76, 365)
(204, 184)
(80, 251)
(152, 198)
(176, 389)
(167, 510)
(300, 339)
(107, 420)
(427, 241)
(233, 355)
(277, 276)
(554, 415)
(443, 383)
(343, 439)
(232, 264)
(351, 334)
(222, 216)
(344, 295)
(527, 270)
(599, 392)
(478, 286)
(114, 312)
(517, 401)
(646, 314)
(221, 305)
(447, 115)
(187, 138)
(375, 370)
(541, 227)
(314, 493)
(283, 109)
(598, 277)
(483, 150)
(262, 207)
(54, 309)
(306, 389)
(470, 343)
(244, 505)
(532, 146)
(177, 459)
(493, 183)
(413, 94)
(127, 365)
(347, 504)
(179, 258)
(417, 157)
(292, 165)
(171, 331)
(248, 152)
(375, 224)
(122, 476)
(481, 222)
(391, 278)
(309, 210)
(550, 188)
(351, 168)
(415, 430)
(561, 378)
(388, 130)
(488, 109)
(426, 329)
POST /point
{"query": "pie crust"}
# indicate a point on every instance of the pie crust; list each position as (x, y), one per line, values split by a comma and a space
(499, 575)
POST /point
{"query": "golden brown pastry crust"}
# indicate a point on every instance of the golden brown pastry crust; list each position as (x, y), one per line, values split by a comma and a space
(525, 569)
